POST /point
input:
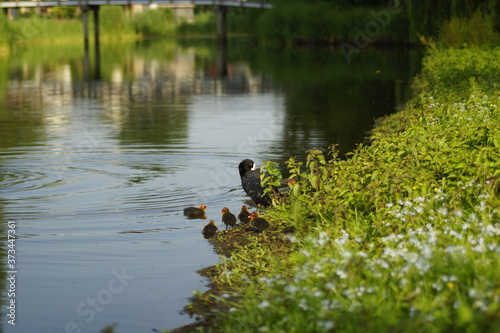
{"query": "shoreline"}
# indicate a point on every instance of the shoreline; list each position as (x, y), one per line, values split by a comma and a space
(207, 306)
(254, 285)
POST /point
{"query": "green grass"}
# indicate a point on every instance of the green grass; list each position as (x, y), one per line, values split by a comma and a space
(402, 236)
(48, 30)
(115, 24)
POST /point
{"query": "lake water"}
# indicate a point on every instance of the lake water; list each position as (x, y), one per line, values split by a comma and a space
(97, 163)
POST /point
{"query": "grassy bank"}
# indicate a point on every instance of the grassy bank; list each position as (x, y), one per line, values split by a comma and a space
(402, 236)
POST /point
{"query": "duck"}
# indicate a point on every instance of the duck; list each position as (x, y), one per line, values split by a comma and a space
(243, 215)
(195, 212)
(210, 228)
(228, 218)
(259, 223)
(250, 180)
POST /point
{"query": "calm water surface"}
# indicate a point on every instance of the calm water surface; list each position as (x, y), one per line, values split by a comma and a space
(97, 162)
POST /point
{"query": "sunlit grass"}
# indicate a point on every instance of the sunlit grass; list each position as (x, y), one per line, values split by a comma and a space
(115, 24)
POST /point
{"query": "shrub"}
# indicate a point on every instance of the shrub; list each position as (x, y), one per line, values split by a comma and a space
(203, 24)
(155, 22)
(451, 70)
(63, 12)
(461, 32)
(113, 21)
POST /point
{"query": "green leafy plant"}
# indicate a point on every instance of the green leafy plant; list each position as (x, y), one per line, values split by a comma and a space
(403, 235)
(271, 178)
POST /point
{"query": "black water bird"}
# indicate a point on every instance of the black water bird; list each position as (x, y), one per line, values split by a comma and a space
(243, 215)
(195, 212)
(228, 218)
(210, 228)
(259, 223)
(250, 180)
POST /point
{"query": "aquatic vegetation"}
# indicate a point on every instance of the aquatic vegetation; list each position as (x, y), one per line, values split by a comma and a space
(403, 235)
(416, 279)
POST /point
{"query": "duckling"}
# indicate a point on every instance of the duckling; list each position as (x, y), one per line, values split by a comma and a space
(210, 228)
(228, 218)
(243, 215)
(195, 212)
(258, 223)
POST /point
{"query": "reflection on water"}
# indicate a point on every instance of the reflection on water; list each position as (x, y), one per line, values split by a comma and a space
(96, 171)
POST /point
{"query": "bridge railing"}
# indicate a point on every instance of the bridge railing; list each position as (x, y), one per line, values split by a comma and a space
(59, 3)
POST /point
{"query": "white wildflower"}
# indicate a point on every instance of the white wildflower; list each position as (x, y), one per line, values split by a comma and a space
(305, 252)
(303, 304)
(422, 265)
(473, 293)
(323, 239)
(291, 289)
(344, 239)
(443, 211)
(492, 230)
(330, 285)
(346, 254)
(264, 304)
(326, 325)
(362, 254)
(341, 273)
(437, 286)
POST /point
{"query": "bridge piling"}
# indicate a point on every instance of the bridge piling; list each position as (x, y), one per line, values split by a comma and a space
(221, 24)
(97, 52)
(85, 22)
